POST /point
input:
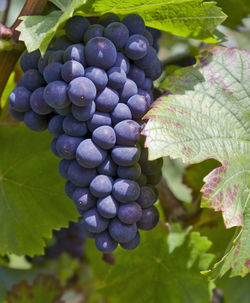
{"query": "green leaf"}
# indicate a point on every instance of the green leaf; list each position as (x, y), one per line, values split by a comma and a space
(32, 198)
(151, 274)
(45, 288)
(38, 31)
(187, 18)
(206, 114)
(177, 236)
(5, 95)
(236, 11)
(235, 290)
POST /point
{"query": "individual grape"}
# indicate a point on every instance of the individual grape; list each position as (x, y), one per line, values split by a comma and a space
(38, 103)
(83, 199)
(127, 132)
(149, 60)
(147, 94)
(81, 91)
(101, 186)
(79, 175)
(55, 94)
(64, 111)
(94, 222)
(53, 147)
(66, 146)
(74, 52)
(149, 37)
(108, 167)
(61, 43)
(136, 47)
(155, 71)
(55, 125)
(35, 122)
(29, 60)
(125, 190)
(133, 243)
(43, 61)
(76, 27)
(121, 112)
(128, 90)
(99, 119)
(52, 72)
(84, 113)
(149, 219)
(105, 243)
(73, 127)
(122, 232)
(147, 196)
(56, 56)
(142, 180)
(138, 106)
(71, 70)
(147, 84)
(19, 116)
(88, 233)
(130, 172)
(31, 80)
(98, 76)
(117, 33)
(95, 30)
(129, 213)
(154, 179)
(104, 136)
(100, 52)
(136, 74)
(122, 62)
(19, 99)
(106, 100)
(107, 207)
(89, 155)
(125, 155)
(69, 189)
(117, 77)
(134, 23)
(108, 18)
(63, 168)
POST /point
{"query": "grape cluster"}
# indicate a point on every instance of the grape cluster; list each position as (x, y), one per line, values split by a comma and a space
(91, 90)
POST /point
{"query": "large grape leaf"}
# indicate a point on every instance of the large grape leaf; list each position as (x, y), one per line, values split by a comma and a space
(38, 31)
(205, 113)
(32, 198)
(151, 274)
(187, 18)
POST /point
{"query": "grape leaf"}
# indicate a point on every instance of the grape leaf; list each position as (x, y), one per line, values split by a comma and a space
(32, 198)
(45, 288)
(204, 114)
(187, 18)
(151, 274)
(38, 31)
(236, 11)
(10, 276)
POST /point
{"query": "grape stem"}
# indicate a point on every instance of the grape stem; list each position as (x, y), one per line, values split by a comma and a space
(8, 59)
(6, 12)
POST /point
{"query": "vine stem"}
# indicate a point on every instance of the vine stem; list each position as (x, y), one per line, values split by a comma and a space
(8, 59)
